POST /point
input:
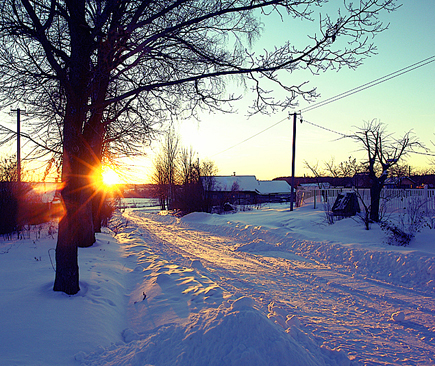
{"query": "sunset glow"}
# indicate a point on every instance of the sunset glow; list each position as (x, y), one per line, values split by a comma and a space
(110, 177)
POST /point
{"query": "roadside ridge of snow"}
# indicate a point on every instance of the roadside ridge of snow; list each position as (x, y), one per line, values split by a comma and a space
(412, 269)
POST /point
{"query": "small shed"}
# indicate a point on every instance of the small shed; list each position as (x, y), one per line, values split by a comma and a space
(346, 205)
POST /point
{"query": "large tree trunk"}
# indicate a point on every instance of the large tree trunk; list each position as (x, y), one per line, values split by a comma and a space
(94, 133)
(84, 190)
(97, 205)
(98, 196)
(76, 227)
(69, 235)
(67, 269)
(85, 212)
(375, 198)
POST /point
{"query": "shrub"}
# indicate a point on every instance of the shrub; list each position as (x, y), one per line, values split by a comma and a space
(8, 196)
(106, 212)
(329, 215)
(415, 217)
(395, 235)
(8, 208)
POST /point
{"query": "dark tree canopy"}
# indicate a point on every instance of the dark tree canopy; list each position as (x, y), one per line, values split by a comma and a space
(102, 74)
(139, 62)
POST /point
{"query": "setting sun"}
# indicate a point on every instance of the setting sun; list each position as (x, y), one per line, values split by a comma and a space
(110, 177)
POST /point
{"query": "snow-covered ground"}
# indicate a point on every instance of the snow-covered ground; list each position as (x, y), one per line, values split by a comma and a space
(262, 287)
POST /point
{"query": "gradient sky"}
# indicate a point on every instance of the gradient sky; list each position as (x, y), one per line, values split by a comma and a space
(403, 103)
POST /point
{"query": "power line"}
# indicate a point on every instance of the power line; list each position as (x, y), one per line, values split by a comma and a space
(251, 137)
(371, 83)
(349, 136)
(325, 128)
(341, 96)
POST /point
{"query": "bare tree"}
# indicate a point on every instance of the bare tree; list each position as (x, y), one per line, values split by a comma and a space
(347, 168)
(188, 166)
(107, 66)
(208, 171)
(314, 169)
(190, 195)
(159, 179)
(197, 182)
(8, 196)
(8, 169)
(383, 152)
(166, 170)
(183, 181)
(343, 169)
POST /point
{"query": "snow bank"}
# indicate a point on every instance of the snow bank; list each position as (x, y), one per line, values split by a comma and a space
(137, 307)
(235, 333)
(358, 250)
(43, 327)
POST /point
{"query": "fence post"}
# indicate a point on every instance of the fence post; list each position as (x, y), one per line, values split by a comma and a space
(426, 197)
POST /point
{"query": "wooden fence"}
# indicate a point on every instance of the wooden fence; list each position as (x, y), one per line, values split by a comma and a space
(392, 200)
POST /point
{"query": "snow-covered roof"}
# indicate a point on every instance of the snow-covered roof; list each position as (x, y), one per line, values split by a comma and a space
(249, 183)
(238, 182)
(274, 187)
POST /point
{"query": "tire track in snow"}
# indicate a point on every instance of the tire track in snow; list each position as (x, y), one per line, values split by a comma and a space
(341, 309)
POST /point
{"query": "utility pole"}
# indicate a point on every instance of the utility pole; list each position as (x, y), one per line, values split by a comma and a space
(18, 110)
(292, 194)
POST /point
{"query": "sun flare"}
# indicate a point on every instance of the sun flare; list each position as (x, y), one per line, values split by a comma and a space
(110, 177)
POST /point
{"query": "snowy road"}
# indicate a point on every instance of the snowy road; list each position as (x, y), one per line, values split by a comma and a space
(340, 308)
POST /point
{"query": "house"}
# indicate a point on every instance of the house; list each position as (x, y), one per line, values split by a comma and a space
(310, 186)
(361, 180)
(274, 191)
(322, 182)
(425, 179)
(400, 183)
(246, 189)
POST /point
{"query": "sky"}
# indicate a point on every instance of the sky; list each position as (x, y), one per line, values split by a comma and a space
(403, 103)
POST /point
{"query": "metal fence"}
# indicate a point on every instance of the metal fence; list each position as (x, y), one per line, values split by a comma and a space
(392, 200)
